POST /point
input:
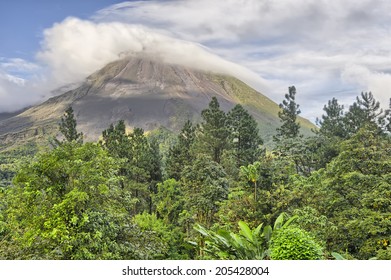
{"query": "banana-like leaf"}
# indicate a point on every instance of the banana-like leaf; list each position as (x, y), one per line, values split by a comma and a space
(238, 242)
(279, 221)
(246, 231)
(337, 256)
(291, 220)
(201, 230)
(223, 238)
(267, 233)
(257, 230)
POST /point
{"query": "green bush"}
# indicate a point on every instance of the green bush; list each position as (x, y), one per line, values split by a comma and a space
(294, 244)
(384, 254)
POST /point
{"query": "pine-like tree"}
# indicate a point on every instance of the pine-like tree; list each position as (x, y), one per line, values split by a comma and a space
(213, 132)
(244, 136)
(365, 111)
(332, 124)
(180, 155)
(155, 170)
(116, 141)
(387, 119)
(68, 129)
(288, 115)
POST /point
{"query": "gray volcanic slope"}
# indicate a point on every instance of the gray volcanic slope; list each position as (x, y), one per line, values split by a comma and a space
(145, 93)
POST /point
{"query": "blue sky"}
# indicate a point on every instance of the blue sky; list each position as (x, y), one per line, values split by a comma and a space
(326, 48)
(22, 22)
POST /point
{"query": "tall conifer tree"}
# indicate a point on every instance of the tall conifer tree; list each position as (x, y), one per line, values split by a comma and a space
(180, 154)
(332, 123)
(213, 131)
(290, 128)
(68, 129)
(244, 136)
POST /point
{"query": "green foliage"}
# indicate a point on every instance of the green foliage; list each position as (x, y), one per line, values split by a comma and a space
(353, 192)
(252, 173)
(204, 186)
(140, 160)
(68, 129)
(366, 111)
(180, 154)
(292, 243)
(163, 240)
(109, 200)
(332, 124)
(67, 204)
(213, 131)
(244, 136)
(155, 232)
(169, 201)
(115, 140)
(288, 115)
(11, 161)
(247, 244)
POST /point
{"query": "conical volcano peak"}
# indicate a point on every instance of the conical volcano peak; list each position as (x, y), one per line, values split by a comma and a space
(142, 68)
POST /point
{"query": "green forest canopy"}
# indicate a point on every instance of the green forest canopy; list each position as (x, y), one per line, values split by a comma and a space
(211, 192)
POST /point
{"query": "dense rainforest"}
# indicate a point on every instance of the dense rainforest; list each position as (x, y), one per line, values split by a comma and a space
(213, 191)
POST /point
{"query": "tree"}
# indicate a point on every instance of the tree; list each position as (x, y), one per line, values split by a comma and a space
(385, 120)
(332, 123)
(180, 154)
(213, 131)
(353, 193)
(169, 201)
(204, 186)
(244, 136)
(155, 171)
(68, 129)
(144, 169)
(115, 140)
(140, 162)
(288, 115)
(252, 174)
(366, 111)
(67, 204)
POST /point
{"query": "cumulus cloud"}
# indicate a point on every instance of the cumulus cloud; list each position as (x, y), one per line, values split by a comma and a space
(326, 48)
(309, 43)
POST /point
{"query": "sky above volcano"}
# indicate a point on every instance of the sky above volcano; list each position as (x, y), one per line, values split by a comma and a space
(325, 48)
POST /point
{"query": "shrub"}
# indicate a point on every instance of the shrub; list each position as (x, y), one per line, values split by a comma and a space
(294, 244)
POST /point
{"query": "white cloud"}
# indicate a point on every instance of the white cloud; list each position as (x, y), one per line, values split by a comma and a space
(326, 48)
(17, 64)
(308, 43)
(11, 93)
(376, 82)
(75, 48)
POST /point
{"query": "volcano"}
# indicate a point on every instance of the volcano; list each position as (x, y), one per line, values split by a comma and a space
(144, 92)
